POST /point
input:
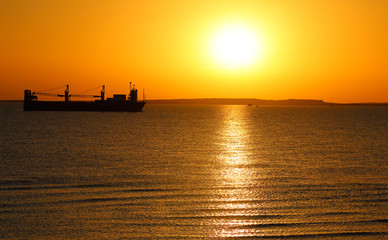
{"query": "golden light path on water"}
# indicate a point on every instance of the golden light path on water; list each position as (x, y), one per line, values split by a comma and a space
(237, 175)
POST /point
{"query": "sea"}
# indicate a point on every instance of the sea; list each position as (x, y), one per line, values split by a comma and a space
(195, 172)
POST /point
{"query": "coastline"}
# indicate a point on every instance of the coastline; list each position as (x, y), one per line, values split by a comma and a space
(247, 101)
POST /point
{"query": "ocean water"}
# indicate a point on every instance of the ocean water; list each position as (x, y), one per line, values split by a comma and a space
(195, 172)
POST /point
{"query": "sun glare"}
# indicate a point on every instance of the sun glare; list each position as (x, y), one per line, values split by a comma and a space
(236, 47)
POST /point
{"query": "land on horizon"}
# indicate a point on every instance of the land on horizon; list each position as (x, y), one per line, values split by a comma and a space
(251, 101)
(259, 102)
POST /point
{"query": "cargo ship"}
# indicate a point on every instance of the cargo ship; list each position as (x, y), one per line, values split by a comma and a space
(119, 102)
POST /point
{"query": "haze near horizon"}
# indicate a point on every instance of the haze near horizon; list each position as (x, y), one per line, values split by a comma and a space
(330, 50)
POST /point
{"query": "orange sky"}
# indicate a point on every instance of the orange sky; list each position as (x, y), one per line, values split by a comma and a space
(334, 50)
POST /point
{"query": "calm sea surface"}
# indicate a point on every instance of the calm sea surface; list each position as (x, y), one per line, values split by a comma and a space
(190, 172)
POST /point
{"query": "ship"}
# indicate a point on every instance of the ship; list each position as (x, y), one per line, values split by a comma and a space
(118, 103)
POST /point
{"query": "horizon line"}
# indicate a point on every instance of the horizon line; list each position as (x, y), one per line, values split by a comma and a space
(299, 100)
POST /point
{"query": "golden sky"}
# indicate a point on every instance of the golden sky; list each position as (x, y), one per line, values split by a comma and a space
(334, 50)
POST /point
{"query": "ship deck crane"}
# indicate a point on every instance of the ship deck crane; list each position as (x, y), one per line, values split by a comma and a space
(67, 95)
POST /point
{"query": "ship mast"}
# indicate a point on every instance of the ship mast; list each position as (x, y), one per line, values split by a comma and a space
(67, 93)
(103, 93)
(132, 93)
(130, 90)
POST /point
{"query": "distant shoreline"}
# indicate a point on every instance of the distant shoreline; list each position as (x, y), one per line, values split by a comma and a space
(11, 101)
(249, 101)
(258, 102)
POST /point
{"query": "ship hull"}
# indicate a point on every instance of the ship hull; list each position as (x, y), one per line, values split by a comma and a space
(100, 106)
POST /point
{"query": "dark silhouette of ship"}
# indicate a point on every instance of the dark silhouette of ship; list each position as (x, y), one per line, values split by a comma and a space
(119, 102)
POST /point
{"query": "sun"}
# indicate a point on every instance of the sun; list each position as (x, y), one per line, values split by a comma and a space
(236, 46)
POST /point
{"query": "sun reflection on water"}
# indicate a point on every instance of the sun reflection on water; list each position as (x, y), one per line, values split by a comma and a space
(237, 176)
(233, 138)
